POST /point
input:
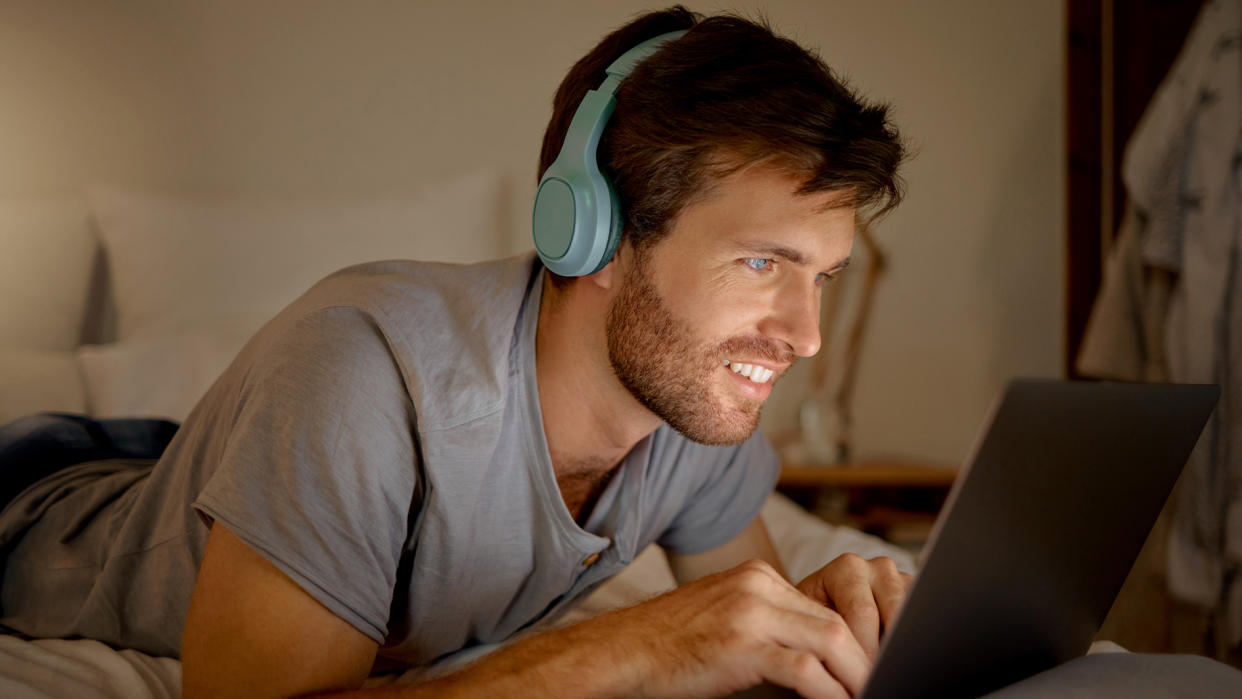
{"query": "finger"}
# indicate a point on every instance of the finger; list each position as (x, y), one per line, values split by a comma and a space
(889, 587)
(853, 598)
(830, 641)
(761, 580)
(801, 672)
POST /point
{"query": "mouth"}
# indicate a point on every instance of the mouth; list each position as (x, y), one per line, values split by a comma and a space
(755, 373)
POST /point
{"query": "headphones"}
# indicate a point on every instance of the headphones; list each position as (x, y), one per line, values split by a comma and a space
(577, 218)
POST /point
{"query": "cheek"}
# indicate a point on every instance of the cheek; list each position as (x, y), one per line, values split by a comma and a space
(724, 313)
(715, 303)
(724, 284)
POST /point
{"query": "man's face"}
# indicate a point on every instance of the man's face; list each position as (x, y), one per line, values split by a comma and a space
(735, 285)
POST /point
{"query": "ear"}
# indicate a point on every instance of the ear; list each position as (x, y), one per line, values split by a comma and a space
(612, 273)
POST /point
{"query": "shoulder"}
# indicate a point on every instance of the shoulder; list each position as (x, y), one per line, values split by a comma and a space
(406, 289)
(445, 331)
(336, 346)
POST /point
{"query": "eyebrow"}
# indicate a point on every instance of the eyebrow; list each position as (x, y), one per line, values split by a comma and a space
(794, 256)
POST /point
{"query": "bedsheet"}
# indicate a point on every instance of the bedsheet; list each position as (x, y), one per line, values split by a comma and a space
(56, 668)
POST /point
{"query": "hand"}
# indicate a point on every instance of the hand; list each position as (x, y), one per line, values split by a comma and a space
(732, 630)
(867, 593)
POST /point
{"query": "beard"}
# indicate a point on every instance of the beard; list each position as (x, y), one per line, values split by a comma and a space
(656, 358)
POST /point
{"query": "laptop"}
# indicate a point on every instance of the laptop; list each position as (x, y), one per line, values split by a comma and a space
(1038, 534)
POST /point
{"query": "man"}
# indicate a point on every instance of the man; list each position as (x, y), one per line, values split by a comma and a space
(412, 460)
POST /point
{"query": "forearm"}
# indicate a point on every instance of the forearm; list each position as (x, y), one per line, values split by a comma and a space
(713, 637)
(753, 543)
(583, 660)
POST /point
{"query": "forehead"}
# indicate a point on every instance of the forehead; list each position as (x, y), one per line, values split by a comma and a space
(761, 204)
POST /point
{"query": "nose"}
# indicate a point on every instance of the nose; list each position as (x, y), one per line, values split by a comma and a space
(794, 318)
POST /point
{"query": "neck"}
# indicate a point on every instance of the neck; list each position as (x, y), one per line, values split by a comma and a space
(590, 420)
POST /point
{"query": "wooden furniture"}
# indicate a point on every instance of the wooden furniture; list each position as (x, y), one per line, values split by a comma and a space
(867, 475)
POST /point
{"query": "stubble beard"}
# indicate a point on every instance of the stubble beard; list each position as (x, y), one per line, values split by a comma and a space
(656, 358)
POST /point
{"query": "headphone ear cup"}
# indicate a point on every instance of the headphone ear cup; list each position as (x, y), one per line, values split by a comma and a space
(615, 226)
(554, 221)
(572, 218)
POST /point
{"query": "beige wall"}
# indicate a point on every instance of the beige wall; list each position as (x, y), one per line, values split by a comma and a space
(90, 91)
(332, 98)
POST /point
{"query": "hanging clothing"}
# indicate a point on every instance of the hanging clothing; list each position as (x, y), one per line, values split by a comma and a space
(1172, 296)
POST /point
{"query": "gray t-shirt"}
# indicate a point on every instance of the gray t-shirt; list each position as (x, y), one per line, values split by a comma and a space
(380, 442)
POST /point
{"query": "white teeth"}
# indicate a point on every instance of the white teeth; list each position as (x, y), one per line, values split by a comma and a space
(754, 372)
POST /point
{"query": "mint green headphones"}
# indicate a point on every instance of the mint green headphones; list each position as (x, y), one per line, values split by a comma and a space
(577, 220)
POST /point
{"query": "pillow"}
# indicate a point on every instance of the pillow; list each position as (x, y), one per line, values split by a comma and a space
(47, 254)
(33, 381)
(177, 261)
(163, 376)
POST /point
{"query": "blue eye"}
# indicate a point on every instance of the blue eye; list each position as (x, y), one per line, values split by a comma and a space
(758, 263)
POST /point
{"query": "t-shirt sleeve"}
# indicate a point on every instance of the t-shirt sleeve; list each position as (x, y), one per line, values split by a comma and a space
(732, 487)
(319, 471)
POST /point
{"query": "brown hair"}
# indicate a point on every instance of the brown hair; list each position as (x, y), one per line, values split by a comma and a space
(727, 94)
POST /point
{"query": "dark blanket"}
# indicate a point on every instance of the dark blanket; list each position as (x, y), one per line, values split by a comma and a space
(37, 446)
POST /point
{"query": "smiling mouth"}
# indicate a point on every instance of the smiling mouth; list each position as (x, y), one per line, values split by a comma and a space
(754, 372)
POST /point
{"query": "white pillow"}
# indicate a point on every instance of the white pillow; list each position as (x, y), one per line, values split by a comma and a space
(163, 376)
(33, 381)
(46, 257)
(177, 261)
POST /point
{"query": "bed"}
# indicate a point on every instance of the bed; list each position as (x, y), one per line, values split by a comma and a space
(125, 303)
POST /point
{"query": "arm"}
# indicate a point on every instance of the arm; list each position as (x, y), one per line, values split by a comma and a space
(752, 543)
(251, 631)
